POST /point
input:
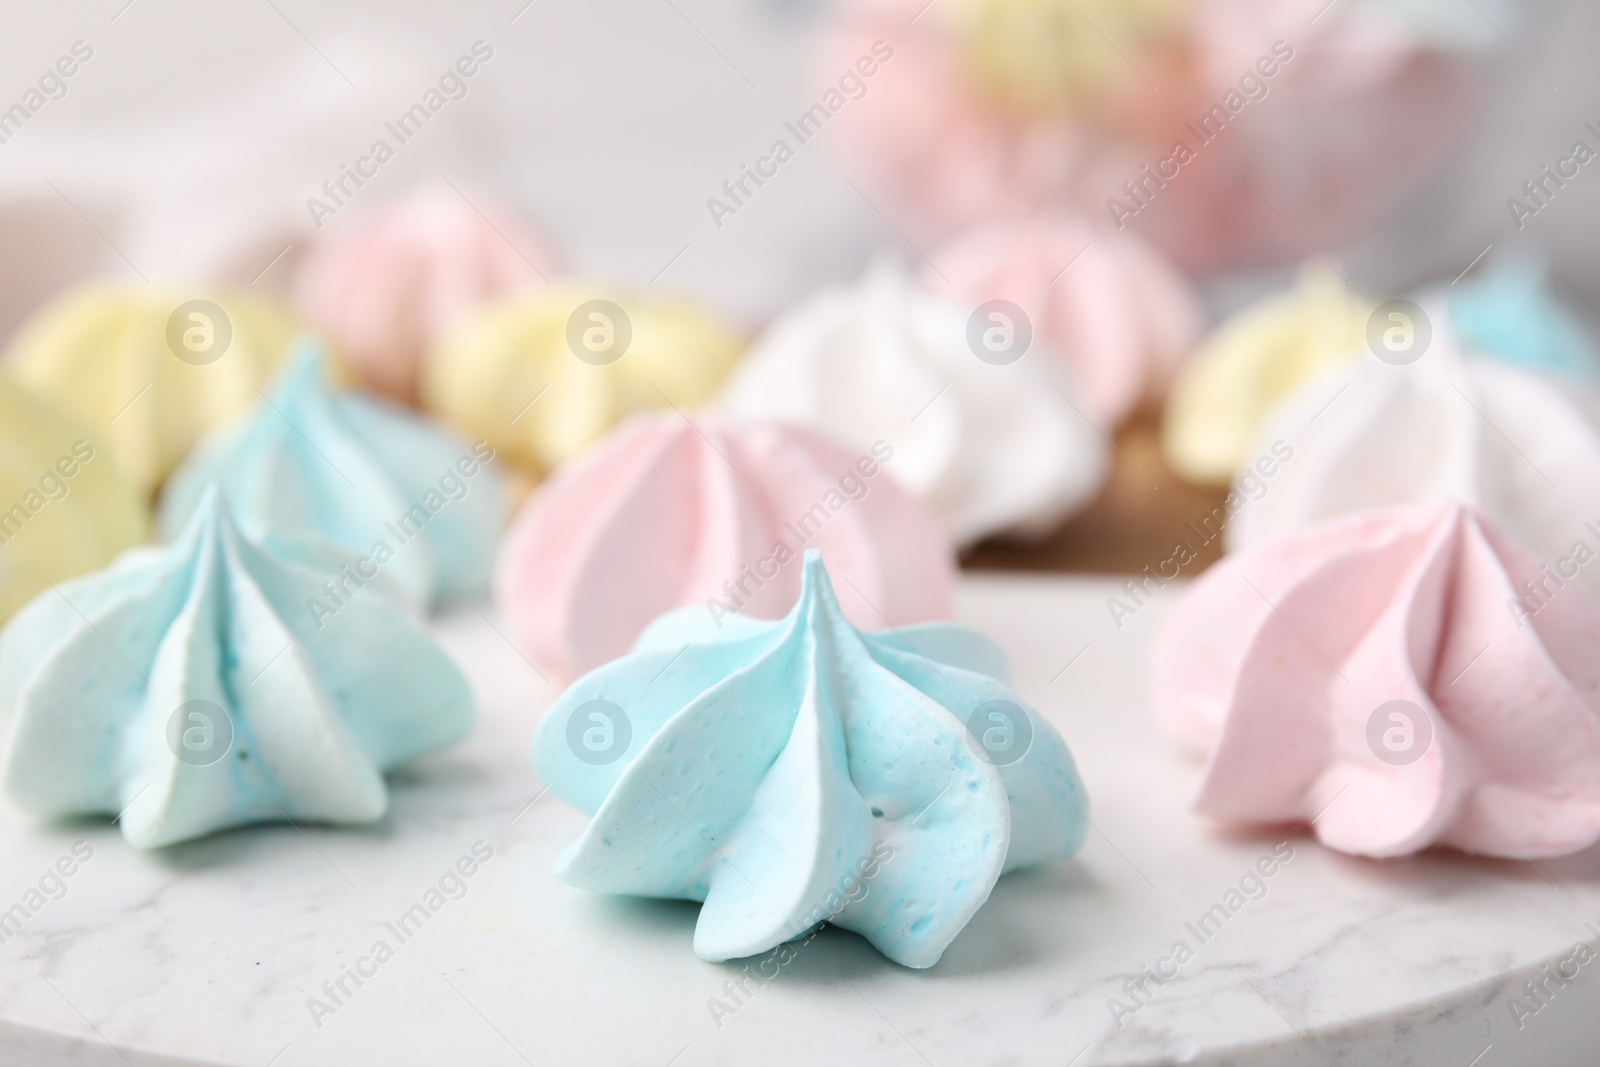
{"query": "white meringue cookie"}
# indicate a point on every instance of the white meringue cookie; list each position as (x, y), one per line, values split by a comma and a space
(1454, 424)
(989, 447)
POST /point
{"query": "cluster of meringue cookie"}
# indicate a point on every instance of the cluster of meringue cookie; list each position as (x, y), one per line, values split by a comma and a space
(802, 771)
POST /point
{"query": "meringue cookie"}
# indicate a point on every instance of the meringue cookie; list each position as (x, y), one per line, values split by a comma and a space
(374, 480)
(1122, 318)
(109, 355)
(1319, 673)
(1450, 426)
(190, 690)
(664, 513)
(1510, 312)
(773, 769)
(385, 290)
(1250, 363)
(491, 374)
(1048, 56)
(989, 448)
(65, 508)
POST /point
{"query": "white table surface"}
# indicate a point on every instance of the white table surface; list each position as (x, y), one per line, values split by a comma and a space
(208, 953)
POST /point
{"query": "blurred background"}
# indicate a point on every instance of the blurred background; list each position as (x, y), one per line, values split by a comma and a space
(188, 146)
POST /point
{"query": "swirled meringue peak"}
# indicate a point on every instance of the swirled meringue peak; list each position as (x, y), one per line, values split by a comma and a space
(1249, 363)
(190, 689)
(1511, 313)
(386, 289)
(800, 771)
(664, 513)
(1122, 319)
(992, 444)
(1451, 425)
(319, 466)
(1400, 678)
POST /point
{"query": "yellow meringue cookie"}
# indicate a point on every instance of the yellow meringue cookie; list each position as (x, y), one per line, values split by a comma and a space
(150, 370)
(1048, 55)
(65, 508)
(1251, 362)
(541, 375)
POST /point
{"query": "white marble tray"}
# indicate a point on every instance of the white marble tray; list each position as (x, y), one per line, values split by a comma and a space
(209, 953)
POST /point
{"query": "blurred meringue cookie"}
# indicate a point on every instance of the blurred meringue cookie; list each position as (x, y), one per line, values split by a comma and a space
(1250, 363)
(1510, 312)
(663, 514)
(190, 690)
(318, 465)
(151, 369)
(1522, 446)
(990, 448)
(543, 375)
(65, 508)
(385, 289)
(797, 772)
(1122, 318)
(1319, 675)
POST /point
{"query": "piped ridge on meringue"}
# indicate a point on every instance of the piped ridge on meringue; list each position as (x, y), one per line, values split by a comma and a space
(320, 465)
(662, 513)
(1386, 679)
(770, 766)
(990, 448)
(190, 690)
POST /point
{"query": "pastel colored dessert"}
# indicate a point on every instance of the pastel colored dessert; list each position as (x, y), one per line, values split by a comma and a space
(1285, 104)
(663, 513)
(796, 772)
(990, 447)
(1522, 446)
(1118, 314)
(188, 689)
(65, 508)
(1249, 364)
(318, 466)
(1510, 312)
(1375, 678)
(980, 109)
(544, 375)
(385, 289)
(151, 369)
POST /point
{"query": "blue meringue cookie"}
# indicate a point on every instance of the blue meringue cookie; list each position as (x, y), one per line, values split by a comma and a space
(796, 772)
(314, 464)
(1510, 313)
(190, 688)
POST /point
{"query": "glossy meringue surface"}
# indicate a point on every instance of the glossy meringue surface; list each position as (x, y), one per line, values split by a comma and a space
(386, 289)
(109, 355)
(520, 372)
(65, 507)
(990, 448)
(791, 772)
(190, 690)
(1451, 425)
(1250, 363)
(1370, 676)
(664, 513)
(316, 464)
(1117, 313)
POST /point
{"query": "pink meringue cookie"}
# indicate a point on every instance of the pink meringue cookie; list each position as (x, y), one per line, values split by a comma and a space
(385, 289)
(1282, 662)
(664, 512)
(1122, 317)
